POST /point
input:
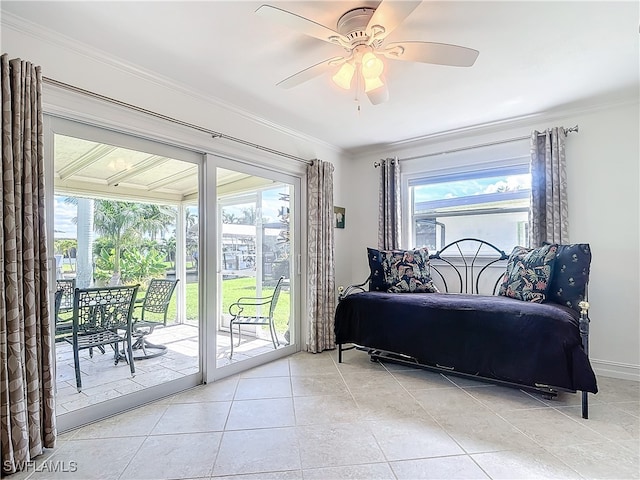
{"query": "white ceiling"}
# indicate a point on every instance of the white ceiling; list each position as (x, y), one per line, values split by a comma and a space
(535, 57)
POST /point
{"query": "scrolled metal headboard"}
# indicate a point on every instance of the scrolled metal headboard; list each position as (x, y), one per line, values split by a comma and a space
(469, 261)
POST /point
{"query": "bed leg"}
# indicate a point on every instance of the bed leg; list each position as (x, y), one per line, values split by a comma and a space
(584, 335)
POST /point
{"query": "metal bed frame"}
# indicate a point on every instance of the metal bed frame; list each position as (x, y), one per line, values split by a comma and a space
(468, 266)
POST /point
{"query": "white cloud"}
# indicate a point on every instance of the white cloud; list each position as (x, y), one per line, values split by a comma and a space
(63, 215)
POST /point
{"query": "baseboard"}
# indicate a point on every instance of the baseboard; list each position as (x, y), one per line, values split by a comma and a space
(624, 371)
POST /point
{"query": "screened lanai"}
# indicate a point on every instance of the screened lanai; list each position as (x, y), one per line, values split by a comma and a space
(123, 216)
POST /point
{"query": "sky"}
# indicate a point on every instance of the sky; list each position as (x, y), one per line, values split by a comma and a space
(465, 188)
(63, 224)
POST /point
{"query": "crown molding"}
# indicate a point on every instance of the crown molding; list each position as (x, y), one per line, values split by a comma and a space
(491, 127)
(55, 39)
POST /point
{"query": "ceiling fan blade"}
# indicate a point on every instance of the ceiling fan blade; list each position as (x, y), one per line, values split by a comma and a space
(300, 24)
(430, 52)
(311, 72)
(390, 14)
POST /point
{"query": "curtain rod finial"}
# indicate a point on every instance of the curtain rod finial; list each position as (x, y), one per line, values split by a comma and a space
(383, 162)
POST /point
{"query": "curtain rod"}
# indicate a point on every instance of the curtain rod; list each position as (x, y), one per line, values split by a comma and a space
(471, 147)
(213, 133)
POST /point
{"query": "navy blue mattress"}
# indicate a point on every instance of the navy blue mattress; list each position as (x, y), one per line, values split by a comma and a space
(491, 336)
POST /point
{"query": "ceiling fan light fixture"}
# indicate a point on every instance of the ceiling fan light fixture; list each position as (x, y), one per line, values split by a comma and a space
(378, 95)
(372, 66)
(362, 32)
(344, 76)
(371, 84)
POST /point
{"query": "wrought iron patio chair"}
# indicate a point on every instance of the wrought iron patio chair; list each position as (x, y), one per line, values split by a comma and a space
(102, 316)
(254, 316)
(153, 313)
(56, 307)
(63, 312)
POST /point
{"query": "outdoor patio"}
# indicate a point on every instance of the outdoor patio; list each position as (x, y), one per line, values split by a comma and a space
(102, 380)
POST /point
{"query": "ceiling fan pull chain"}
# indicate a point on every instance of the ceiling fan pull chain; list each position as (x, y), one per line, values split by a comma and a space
(357, 93)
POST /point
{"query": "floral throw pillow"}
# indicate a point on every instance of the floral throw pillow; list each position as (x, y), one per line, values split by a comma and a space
(528, 273)
(400, 271)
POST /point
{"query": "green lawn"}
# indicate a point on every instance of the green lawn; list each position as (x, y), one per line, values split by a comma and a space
(232, 289)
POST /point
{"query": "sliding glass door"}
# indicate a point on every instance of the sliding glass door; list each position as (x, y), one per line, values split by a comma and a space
(211, 243)
(256, 264)
(125, 213)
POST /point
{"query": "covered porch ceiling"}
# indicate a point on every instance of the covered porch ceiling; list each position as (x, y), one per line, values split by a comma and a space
(86, 168)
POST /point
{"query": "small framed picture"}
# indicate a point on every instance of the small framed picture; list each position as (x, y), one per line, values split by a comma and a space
(338, 214)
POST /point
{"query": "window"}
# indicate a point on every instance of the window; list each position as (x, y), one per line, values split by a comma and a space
(489, 204)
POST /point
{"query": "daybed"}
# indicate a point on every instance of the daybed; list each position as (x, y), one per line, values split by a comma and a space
(530, 332)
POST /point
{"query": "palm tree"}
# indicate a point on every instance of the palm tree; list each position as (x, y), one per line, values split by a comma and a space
(64, 246)
(248, 216)
(191, 223)
(156, 218)
(169, 249)
(124, 223)
(191, 218)
(228, 217)
(119, 222)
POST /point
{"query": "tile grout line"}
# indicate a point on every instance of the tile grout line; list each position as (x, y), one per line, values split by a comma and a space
(295, 420)
(466, 453)
(237, 377)
(384, 366)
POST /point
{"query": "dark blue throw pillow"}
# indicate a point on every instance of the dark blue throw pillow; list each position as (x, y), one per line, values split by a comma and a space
(570, 275)
(376, 280)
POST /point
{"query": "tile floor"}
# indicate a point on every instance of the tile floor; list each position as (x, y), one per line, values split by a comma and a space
(308, 417)
(102, 380)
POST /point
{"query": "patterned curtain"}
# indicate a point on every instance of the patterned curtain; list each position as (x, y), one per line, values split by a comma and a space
(27, 415)
(321, 280)
(389, 223)
(548, 217)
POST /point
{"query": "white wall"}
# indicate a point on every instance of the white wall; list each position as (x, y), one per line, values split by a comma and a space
(73, 65)
(603, 175)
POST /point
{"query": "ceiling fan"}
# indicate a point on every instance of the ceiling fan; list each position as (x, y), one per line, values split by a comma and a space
(361, 32)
